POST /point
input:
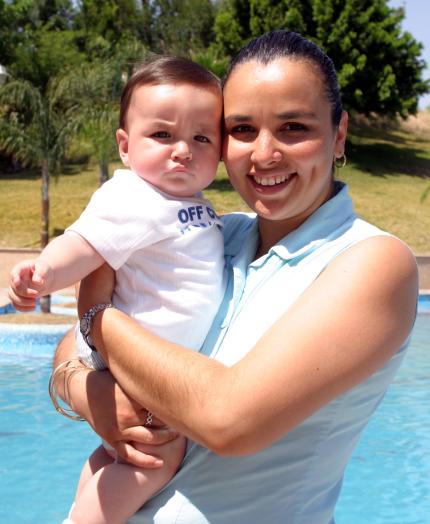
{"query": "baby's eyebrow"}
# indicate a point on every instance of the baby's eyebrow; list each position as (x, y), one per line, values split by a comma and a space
(162, 121)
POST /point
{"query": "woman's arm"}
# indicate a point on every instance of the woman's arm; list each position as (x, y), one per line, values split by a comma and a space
(114, 416)
(348, 323)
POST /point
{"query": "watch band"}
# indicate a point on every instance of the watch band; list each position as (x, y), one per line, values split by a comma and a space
(86, 322)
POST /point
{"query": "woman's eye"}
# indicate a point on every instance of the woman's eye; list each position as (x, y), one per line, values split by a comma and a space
(293, 126)
(161, 134)
(242, 128)
(202, 138)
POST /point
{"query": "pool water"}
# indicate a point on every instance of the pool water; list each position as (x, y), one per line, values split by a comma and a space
(41, 451)
(388, 478)
(387, 481)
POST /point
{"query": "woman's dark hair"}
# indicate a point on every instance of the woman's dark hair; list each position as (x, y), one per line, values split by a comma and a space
(287, 44)
(161, 70)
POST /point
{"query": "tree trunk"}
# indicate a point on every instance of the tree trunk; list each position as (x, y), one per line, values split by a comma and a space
(104, 173)
(45, 302)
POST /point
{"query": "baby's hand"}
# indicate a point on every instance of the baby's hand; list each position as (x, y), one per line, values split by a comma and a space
(28, 281)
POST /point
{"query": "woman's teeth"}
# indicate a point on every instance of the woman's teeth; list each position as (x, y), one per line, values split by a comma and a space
(271, 181)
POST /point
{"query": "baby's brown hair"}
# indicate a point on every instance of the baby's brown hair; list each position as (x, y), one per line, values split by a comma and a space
(166, 70)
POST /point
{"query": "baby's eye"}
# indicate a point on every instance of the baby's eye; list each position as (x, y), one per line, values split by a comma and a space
(202, 138)
(161, 134)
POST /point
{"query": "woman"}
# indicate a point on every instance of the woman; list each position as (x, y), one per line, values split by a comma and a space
(314, 324)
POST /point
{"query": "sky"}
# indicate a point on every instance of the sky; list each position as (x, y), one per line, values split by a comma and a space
(417, 22)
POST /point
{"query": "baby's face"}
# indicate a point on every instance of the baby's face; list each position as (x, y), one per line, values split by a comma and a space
(173, 136)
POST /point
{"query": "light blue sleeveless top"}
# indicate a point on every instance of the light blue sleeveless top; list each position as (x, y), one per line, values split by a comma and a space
(296, 480)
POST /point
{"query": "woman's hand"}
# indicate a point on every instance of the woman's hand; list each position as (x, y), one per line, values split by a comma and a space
(120, 421)
(96, 288)
(113, 415)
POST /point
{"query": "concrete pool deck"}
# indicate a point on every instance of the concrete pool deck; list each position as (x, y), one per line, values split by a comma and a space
(10, 256)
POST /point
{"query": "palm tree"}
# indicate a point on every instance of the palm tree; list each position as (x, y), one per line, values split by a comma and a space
(91, 93)
(33, 129)
(99, 132)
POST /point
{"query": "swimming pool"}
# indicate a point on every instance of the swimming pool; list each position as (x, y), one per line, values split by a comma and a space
(387, 481)
(388, 478)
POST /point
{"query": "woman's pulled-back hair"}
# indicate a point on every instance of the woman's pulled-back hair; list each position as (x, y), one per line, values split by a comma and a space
(162, 70)
(287, 44)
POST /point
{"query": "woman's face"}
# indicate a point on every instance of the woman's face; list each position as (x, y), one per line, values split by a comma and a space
(279, 140)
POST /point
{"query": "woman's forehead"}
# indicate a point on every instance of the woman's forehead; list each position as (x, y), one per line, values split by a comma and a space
(281, 81)
(281, 69)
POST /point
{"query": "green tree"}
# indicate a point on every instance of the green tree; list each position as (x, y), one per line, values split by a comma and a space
(182, 26)
(380, 67)
(40, 40)
(105, 27)
(57, 14)
(43, 54)
(33, 130)
(9, 22)
(91, 95)
(232, 26)
(266, 15)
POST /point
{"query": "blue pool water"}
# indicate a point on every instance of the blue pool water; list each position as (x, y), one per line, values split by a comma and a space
(388, 478)
(387, 481)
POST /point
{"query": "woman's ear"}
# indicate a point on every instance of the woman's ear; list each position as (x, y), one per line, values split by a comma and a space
(341, 132)
(122, 141)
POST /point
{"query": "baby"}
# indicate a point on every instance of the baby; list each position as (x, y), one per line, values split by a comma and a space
(151, 224)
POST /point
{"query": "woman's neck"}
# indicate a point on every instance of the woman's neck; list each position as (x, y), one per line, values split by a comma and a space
(271, 232)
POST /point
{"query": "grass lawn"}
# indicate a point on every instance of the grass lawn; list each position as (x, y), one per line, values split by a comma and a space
(387, 171)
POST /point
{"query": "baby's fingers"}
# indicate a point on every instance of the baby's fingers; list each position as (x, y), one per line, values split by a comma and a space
(151, 436)
(136, 457)
(21, 279)
(22, 303)
(23, 292)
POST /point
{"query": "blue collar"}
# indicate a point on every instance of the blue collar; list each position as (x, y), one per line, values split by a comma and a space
(326, 223)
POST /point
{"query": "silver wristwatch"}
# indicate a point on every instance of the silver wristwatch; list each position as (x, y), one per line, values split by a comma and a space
(86, 322)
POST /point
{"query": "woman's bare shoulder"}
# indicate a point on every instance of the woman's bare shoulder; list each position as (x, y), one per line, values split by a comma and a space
(381, 261)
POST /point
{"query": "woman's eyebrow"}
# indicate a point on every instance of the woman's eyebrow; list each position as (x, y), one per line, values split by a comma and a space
(237, 118)
(296, 114)
(287, 115)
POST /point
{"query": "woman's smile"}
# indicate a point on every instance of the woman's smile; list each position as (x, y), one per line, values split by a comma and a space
(273, 181)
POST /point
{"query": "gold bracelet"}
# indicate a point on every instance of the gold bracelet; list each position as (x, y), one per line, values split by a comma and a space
(53, 393)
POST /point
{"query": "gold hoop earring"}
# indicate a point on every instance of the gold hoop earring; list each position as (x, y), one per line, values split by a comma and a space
(340, 161)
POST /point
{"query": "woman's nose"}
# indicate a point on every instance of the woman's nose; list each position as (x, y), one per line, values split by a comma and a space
(181, 151)
(265, 151)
